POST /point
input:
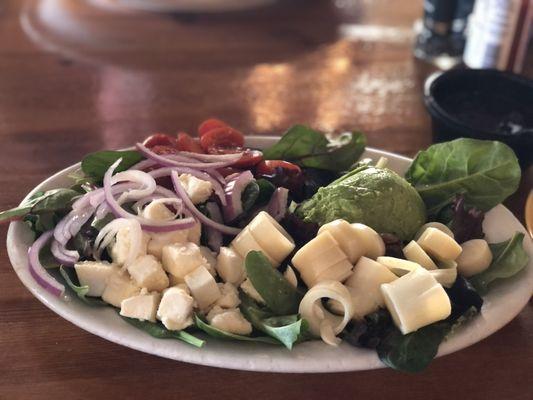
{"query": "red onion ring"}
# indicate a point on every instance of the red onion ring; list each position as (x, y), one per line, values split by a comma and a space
(147, 225)
(277, 205)
(233, 190)
(197, 213)
(144, 164)
(108, 232)
(217, 187)
(167, 161)
(38, 272)
(212, 157)
(59, 253)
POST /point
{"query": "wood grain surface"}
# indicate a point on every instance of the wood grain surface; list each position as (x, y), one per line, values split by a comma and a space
(76, 78)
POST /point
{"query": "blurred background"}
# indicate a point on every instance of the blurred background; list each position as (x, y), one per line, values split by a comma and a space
(82, 75)
(77, 76)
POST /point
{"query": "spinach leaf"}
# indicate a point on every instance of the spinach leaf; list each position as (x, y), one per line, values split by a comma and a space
(42, 203)
(158, 330)
(59, 200)
(287, 329)
(266, 190)
(49, 208)
(99, 223)
(508, 258)
(412, 352)
(279, 295)
(249, 195)
(220, 334)
(95, 165)
(309, 148)
(42, 222)
(486, 172)
(81, 291)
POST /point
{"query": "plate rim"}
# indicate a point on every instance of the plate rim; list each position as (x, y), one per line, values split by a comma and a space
(372, 359)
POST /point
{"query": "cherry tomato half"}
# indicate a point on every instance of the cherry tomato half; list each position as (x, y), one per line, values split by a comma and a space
(159, 139)
(164, 150)
(268, 167)
(210, 124)
(186, 142)
(249, 157)
(222, 137)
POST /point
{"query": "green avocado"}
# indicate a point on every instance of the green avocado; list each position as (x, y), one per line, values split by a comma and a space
(377, 197)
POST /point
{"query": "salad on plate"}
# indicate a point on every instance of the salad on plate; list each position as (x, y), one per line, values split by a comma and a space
(195, 238)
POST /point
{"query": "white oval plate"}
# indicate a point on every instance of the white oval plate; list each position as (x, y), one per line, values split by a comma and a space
(502, 304)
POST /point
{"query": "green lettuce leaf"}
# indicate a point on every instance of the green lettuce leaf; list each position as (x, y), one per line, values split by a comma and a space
(309, 148)
(486, 172)
(95, 165)
(279, 295)
(157, 330)
(220, 334)
(44, 205)
(287, 329)
(508, 259)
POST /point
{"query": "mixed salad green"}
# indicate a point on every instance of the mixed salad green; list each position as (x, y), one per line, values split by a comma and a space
(300, 241)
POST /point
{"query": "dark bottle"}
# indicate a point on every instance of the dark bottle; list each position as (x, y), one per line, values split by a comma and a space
(440, 39)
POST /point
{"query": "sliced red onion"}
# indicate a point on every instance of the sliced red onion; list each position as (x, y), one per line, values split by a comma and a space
(108, 232)
(71, 224)
(37, 270)
(159, 192)
(177, 204)
(169, 162)
(218, 176)
(197, 213)
(61, 255)
(214, 237)
(145, 181)
(217, 187)
(234, 188)
(139, 204)
(164, 192)
(102, 211)
(144, 164)
(79, 220)
(212, 157)
(96, 197)
(277, 206)
(148, 225)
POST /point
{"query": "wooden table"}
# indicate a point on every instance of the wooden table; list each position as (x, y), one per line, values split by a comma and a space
(75, 78)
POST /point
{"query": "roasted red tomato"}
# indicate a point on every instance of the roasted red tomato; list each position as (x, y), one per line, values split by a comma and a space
(222, 137)
(210, 124)
(268, 167)
(186, 142)
(160, 139)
